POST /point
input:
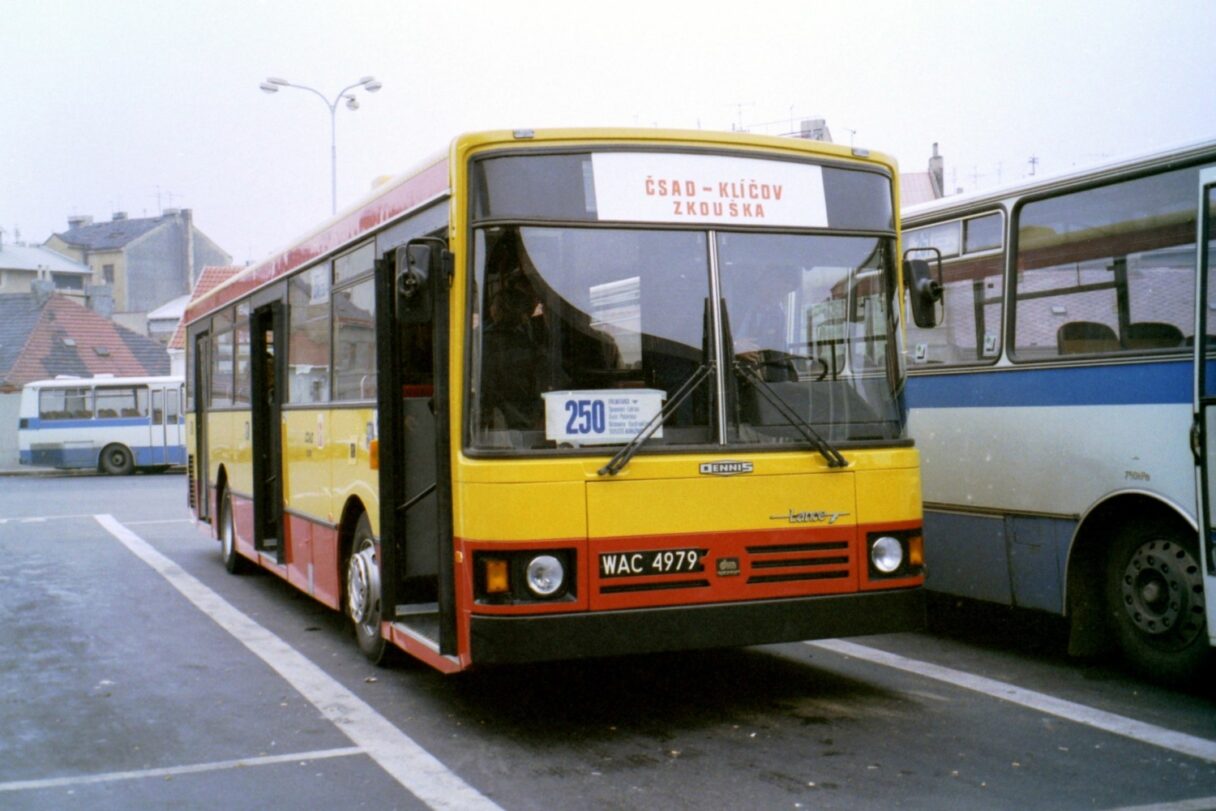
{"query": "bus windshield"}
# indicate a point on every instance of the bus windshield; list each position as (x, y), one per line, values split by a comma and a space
(577, 328)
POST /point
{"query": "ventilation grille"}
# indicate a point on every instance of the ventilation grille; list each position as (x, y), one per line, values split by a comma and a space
(786, 563)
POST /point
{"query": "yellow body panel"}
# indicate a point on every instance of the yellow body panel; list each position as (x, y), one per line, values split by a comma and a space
(325, 453)
(712, 504)
(351, 477)
(306, 454)
(230, 447)
(564, 498)
(520, 512)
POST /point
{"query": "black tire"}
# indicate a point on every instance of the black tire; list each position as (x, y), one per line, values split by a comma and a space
(362, 593)
(226, 529)
(1154, 596)
(116, 460)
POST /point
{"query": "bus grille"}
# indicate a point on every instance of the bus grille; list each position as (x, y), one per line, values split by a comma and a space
(190, 495)
(786, 563)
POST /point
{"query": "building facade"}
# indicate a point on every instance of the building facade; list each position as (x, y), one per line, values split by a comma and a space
(147, 261)
(21, 266)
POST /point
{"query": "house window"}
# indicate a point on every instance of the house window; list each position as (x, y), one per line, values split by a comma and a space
(68, 281)
(107, 273)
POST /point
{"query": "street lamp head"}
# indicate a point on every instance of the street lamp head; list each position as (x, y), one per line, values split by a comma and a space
(372, 86)
(352, 103)
(278, 81)
(268, 88)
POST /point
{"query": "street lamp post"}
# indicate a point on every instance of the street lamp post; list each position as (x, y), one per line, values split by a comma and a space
(368, 83)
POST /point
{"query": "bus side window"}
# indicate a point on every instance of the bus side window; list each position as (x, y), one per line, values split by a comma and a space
(972, 287)
(1108, 269)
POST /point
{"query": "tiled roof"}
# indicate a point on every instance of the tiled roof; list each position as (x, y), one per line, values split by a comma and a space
(211, 277)
(108, 236)
(62, 337)
(36, 257)
(19, 313)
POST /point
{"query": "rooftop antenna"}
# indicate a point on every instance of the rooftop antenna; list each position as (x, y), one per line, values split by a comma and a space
(1034, 162)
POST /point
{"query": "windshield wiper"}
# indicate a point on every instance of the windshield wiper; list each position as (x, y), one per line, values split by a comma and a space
(829, 453)
(622, 457)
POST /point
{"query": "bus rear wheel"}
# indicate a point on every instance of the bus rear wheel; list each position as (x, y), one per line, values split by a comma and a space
(363, 592)
(116, 460)
(1154, 594)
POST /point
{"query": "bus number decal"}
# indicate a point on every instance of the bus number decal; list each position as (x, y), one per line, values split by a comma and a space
(586, 417)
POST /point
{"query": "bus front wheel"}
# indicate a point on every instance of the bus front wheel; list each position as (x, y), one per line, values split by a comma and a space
(116, 460)
(363, 591)
(233, 562)
(1154, 593)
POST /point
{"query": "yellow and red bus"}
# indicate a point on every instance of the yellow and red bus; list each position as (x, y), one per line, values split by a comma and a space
(575, 393)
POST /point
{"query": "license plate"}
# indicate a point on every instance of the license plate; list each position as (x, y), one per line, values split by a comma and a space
(657, 561)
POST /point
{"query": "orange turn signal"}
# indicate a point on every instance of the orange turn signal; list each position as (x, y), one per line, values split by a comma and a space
(373, 454)
(916, 551)
(497, 581)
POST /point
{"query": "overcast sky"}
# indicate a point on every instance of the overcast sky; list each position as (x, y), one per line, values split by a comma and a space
(141, 105)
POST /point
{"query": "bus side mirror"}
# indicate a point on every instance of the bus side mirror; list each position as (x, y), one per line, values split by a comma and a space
(416, 265)
(924, 291)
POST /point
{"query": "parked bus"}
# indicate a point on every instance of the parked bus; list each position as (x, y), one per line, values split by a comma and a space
(110, 424)
(575, 393)
(1054, 404)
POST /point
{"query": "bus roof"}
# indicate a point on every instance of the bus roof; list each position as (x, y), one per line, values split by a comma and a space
(430, 181)
(962, 203)
(63, 381)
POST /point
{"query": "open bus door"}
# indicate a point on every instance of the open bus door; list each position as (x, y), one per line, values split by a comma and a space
(417, 580)
(201, 493)
(1204, 430)
(268, 358)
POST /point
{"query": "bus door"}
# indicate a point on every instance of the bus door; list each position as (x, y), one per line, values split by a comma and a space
(165, 427)
(415, 476)
(1204, 430)
(267, 352)
(201, 494)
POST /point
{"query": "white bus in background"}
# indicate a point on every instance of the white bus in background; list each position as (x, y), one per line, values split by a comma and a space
(1054, 403)
(111, 424)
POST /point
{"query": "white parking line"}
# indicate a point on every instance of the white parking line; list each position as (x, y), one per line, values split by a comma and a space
(1199, 804)
(408, 763)
(41, 519)
(1182, 743)
(174, 771)
(159, 521)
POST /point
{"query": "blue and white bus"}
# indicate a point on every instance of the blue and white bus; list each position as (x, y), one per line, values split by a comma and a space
(1055, 404)
(105, 423)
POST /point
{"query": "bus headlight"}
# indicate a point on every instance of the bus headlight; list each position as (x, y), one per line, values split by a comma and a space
(887, 554)
(545, 575)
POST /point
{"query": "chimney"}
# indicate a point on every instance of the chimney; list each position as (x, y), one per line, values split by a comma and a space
(41, 290)
(100, 299)
(937, 171)
(79, 221)
(118, 216)
(187, 218)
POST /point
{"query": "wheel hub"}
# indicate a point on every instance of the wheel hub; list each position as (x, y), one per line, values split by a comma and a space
(1162, 591)
(363, 584)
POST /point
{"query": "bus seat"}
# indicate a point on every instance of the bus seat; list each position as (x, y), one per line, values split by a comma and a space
(104, 413)
(1153, 335)
(1086, 337)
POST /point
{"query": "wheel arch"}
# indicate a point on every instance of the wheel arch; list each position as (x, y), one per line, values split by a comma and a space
(1087, 553)
(351, 510)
